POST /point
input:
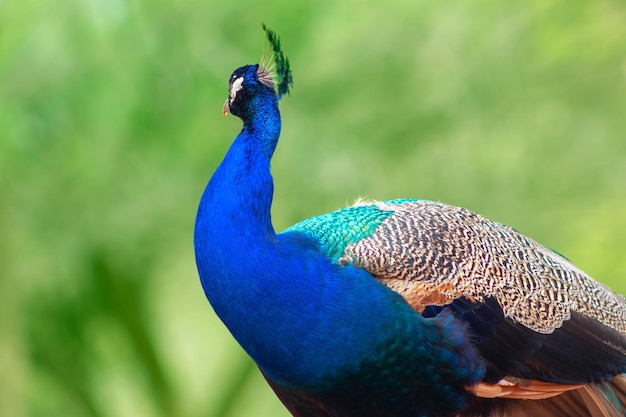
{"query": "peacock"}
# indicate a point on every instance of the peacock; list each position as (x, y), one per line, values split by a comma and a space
(401, 308)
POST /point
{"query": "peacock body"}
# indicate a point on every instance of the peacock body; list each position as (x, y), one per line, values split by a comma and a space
(401, 308)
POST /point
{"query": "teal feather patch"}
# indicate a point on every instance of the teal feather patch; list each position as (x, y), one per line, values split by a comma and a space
(339, 229)
(399, 201)
(283, 76)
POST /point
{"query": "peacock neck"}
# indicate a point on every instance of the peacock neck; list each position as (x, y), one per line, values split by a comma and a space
(242, 186)
(261, 123)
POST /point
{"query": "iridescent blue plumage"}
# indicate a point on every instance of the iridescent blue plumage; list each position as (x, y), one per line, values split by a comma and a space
(403, 308)
(310, 324)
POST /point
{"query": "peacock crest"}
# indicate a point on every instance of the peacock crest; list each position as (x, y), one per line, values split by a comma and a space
(274, 70)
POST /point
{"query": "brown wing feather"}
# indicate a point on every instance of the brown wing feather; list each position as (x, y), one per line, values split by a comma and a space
(432, 253)
(591, 400)
(521, 389)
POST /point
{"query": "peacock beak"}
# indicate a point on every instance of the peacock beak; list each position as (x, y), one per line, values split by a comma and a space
(226, 108)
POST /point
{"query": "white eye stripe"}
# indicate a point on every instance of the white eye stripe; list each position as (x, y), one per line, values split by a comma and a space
(235, 87)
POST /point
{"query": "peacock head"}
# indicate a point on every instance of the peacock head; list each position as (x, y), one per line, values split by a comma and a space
(245, 83)
(272, 76)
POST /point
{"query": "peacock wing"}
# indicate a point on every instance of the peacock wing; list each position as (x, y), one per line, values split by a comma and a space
(532, 313)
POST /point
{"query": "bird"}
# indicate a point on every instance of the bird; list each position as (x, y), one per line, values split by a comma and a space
(399, 308)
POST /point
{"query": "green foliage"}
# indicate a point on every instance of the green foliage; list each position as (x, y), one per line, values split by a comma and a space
(110, 126)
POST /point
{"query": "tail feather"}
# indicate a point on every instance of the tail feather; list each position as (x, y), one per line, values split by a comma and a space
(597, 402)
(592, 400)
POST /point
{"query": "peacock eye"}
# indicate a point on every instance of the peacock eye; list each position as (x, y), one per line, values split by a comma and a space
(235, 86)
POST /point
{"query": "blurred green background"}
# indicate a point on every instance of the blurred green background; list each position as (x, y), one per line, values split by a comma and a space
(110, 127)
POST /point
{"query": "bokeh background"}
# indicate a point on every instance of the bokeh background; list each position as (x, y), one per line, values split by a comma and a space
(110, 127)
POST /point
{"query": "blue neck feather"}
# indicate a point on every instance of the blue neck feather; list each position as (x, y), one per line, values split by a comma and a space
(301, 317)
(242, 187)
